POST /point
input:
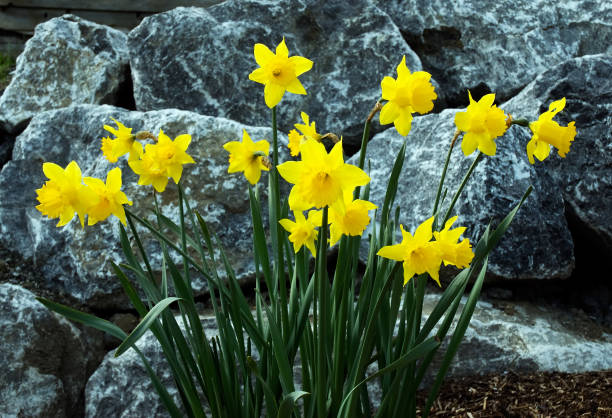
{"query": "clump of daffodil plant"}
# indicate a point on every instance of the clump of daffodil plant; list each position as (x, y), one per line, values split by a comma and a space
(317, 322)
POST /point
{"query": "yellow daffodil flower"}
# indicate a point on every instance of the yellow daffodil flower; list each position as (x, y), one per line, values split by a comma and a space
(320, 178)
(482, 122)
(110, 198)
(246, 156)
(278, 72)
(418, 252)
(409, 93)
(64, 193)
(353, 220)
(547, 133)
(307, 130)
(162, 160)
(122, 144)
(302, 231)
(453, 252)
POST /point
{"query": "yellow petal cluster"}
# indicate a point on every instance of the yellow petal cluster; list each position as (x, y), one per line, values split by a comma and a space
(247, 156)
(278, 72)
(482, 122)
(67, 192)
(110, 198)
(409, 93)
(64, 194)
(303, 230)
(122, 144)
(162, 160)
(320, 179)
(547, 133)
(307, 130)
(352, 219)
(451, 250)
(420, 254)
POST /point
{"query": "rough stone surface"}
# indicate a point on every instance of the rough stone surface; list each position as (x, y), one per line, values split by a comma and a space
(44, 358)
(524, 337)
(584, 176)
(537, 244)
(499, 45)
(76, 261)
(68, 60)
(203, 63)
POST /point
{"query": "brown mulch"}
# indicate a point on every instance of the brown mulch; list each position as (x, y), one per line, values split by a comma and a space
(526, 395)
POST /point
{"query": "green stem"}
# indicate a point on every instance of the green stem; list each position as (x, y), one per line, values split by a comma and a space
(276, 232)
(448, 155)
(461, 186)
(365, 348)
(521, 122)
(322, 296)
(364, 140)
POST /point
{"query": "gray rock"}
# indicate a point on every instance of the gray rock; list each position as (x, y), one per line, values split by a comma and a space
(203, 62)
(43, 358)
(522, 337)
(77, 261)
(68, 60)
(584, 176)
(498, 46)
(537, 244)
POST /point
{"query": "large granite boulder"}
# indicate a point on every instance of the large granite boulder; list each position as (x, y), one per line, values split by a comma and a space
(68, 60)
(538, 244)
(522, 336)
(585, 175)
(76, 260)
(44, 359)
(200, 59)
(498, 46)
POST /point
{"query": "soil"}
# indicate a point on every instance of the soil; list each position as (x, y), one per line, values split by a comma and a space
(525, 395)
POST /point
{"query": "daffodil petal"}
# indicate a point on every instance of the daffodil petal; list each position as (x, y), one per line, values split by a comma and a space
(273, 94)
(388, 86)
(403, 123)
(291, 171)
(296, 87)
(487, 145)
(282, 50)
(113, 179)
(389, 112)
(469, 143)
(394, 252)
(301, 64)
(262, 54)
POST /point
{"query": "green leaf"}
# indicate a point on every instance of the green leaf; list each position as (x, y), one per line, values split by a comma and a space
(392, 185)
(280, 353)
(144, 325)
(288, 403)
(270, 398)
(402, 362)
(453, 345)
(129, 290)
(505, 223)
(87, 319)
